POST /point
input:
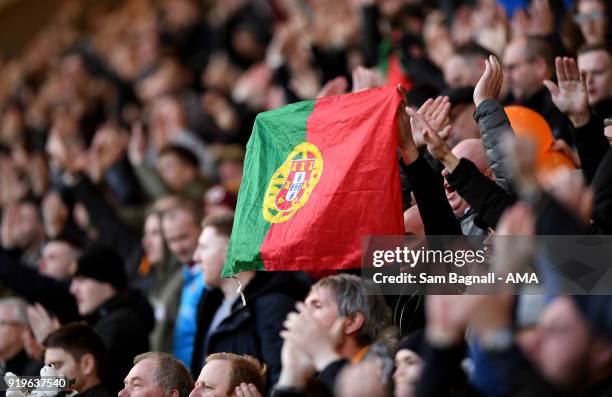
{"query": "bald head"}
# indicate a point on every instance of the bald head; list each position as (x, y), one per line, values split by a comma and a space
(473, 150)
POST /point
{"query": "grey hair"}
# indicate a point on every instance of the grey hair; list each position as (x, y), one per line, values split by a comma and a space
(170, 374)
(355, 295)
(19, 308)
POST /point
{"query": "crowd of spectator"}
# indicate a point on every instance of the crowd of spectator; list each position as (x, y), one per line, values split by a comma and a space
(123, 131)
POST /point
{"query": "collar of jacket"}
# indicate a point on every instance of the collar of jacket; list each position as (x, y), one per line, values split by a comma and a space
(262, 283)
(109, 306)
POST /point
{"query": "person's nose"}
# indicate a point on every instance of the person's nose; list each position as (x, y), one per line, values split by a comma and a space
(123, 393)
(196, 392)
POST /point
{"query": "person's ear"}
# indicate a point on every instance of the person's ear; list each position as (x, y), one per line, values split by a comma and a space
(354, 323)
(87, 364)
(173, 393)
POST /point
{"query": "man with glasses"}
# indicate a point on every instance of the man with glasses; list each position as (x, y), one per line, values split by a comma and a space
(13, 327)
(527, 62)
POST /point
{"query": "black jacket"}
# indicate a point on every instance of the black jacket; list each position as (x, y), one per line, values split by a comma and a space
(592, 145)
(123, 323)
(436, 213)
(602, 186)
(21, 365)
(483, 195)
(252, 329)
(323, 385)
(603, 108)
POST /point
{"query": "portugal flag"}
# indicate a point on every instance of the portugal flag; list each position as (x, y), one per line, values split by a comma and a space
(318, 175)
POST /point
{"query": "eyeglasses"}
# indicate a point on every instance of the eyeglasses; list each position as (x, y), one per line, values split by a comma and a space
(592, 16)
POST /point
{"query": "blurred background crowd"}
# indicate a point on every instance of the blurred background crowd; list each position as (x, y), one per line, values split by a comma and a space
(123, 131)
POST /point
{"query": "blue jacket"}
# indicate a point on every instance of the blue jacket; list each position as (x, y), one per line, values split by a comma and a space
(185, 327)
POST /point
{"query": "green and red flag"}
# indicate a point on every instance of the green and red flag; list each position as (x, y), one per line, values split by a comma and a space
(318, 175)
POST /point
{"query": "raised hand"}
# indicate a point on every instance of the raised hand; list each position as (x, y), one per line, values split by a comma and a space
(13, 188)
(513, 244)
(571, 191)
(221, 111)
(137, 144)
(407, 146)
(570, 95)
(447, 318)
(436, 146)
(38, 174)
(41, 323)
(8, 226)
(319, 343)
(542, 18)
(435, 113)
(335, 86)
(297, 366)
(246, 390)
(538, 21)
(108, 147)
(31, 346)
(490, 82)
(55, 214)
(65, 155)
(364, 78)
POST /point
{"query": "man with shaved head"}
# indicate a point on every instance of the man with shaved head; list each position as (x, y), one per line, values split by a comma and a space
(473, 150)
(469, 183)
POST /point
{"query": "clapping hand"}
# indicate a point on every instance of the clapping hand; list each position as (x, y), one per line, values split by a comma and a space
(364, 78)
(490, 82)
(436, 146)
(319, 343)
(41, 322)
(435, 114)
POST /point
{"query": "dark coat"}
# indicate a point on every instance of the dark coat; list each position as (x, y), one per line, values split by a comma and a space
(436, 213)
(22, 365)
(592, 145)
(252, 329)
(494, 126)
(123, 323)
(602, 185)
(484, 196)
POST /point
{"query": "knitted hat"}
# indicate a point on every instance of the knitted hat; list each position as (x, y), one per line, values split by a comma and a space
(102, 264)
(414, 341)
